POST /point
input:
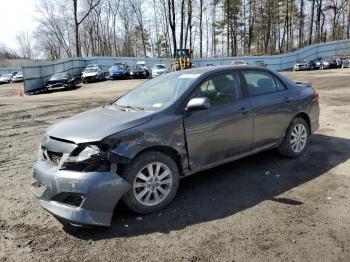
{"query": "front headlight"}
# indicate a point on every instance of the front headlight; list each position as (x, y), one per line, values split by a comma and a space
(88, 158)
(88, 152)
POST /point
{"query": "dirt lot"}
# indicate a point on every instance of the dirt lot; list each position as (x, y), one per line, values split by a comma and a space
(261, 208)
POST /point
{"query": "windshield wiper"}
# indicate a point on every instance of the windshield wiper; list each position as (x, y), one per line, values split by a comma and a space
(136, 108)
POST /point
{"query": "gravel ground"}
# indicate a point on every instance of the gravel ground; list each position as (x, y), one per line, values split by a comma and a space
(261, 208)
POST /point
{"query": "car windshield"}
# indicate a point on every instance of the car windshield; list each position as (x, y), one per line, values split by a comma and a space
(59, 76)
(157, 93)
(136, 68)
(118, 67)
(159, 66)
(91, 70)
(6, 75)
(301, 61)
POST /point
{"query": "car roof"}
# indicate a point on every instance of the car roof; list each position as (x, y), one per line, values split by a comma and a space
(219, 68)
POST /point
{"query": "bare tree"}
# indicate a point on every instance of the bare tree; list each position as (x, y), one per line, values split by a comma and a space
(91, 5)
(172, 22)
(24, 41)
(200, 28)
(138, 9)
(158, 27)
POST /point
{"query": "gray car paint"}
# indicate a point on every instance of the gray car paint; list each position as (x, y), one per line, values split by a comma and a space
(227, 131)
(102, 191)
(198, 140)
(96, 124)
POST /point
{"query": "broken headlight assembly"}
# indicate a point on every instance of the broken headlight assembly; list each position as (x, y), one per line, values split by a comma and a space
(87, 158)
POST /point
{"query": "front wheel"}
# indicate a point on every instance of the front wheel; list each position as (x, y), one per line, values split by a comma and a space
(154, 177)
(296, 139)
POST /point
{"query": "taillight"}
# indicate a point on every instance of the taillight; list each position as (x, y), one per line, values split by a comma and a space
(316, 96)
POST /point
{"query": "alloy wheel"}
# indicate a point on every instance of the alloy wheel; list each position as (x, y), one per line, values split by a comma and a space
(298, 138)
(152, 184)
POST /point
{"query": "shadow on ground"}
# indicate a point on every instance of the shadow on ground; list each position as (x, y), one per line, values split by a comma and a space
(229, 189)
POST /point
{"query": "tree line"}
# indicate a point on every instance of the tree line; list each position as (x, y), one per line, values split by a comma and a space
(209, 28)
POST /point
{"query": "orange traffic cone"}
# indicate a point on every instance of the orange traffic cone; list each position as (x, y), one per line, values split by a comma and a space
(20, 93)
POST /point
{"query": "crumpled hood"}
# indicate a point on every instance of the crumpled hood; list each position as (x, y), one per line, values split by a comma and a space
(96, 124)
(90, 74)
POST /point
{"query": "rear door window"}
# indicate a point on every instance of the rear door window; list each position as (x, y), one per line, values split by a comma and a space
(260, 82)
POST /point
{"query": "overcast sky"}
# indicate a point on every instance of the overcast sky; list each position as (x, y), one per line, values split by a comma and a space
(15, 16)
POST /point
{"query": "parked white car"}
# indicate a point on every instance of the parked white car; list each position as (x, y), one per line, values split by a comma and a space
(92, 73)
(159, 69)
(17, 77)
(238, 62)
(5, 78)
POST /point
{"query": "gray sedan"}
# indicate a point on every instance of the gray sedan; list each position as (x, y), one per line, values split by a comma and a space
(137, 148)
(5, 78)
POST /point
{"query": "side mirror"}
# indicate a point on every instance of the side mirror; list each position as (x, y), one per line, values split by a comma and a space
(198, 103)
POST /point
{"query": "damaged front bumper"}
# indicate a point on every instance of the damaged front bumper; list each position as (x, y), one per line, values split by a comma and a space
(87, 198)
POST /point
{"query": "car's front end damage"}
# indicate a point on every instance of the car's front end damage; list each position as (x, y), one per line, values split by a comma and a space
(301, 66)
(76, 176)
(57, 84)
(89, 77)
(77, 182)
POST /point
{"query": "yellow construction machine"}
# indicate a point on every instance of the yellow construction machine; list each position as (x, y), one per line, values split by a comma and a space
(182, 60)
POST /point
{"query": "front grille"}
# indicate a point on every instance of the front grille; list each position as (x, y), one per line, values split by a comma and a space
(53, 157)
(90, 78)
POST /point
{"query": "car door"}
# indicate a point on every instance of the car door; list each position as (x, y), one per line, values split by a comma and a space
(223, 131)
(272, 106)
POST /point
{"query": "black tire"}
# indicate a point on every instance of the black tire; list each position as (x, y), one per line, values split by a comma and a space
(130, 172)
(285, 147)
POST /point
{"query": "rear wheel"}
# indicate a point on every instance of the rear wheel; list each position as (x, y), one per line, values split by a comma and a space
(296, 139)
(154, 177)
